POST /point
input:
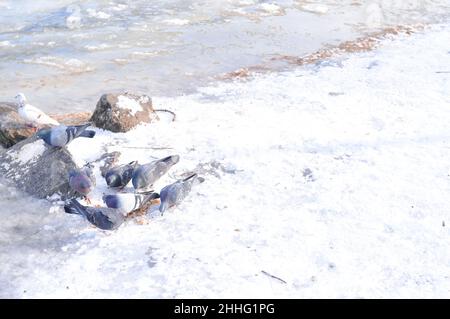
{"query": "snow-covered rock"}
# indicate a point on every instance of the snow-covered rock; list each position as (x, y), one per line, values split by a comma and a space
(120, 113)
(37, 169)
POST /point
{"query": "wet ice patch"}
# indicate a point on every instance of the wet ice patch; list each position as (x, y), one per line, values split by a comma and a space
(98, 14)
(176, 21)
(315, 8)
(69, 65)
(6, 44)
(271, 8)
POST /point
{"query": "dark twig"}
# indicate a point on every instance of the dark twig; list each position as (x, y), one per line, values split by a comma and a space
(274, 277)
(167, 111)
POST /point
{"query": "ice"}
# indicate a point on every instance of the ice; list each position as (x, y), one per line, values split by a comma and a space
(68, 65)
(194, 42)
(98, 14)
(5, 44)
(177, 21)
(316, 8)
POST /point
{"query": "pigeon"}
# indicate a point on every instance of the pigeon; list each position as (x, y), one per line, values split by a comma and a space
(120, 176)
(103, 218)
(82, 181)
(62, 135)
(145, 175)
(129, 202)
(32, 115)
(173, 194)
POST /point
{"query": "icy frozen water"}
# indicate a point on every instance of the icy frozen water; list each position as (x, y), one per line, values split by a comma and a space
(64, 54)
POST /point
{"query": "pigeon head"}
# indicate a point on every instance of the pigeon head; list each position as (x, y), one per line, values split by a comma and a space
(80, 182)
(84, 187)
(21, 99)
(44, 134)
(113, 180)
(111, 201)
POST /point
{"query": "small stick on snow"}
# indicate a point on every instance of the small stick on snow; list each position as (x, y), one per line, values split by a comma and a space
(274, 277)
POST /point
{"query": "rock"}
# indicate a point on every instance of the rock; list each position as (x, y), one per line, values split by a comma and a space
(121, 113)
(72, 118)
(12, 128)
(36, 168)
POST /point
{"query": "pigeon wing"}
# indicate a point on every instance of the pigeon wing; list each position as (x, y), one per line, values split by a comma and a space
(35, 115)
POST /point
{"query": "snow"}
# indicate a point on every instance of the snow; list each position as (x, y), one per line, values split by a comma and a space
(333, 177)
(98, 14)
(29, 152)
(124, 102)
(177, 21)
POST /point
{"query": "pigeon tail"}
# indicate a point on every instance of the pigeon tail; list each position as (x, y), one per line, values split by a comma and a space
(151, 196)
(74, 207)
(154, 196)
(88, 134)
(190, 177)
(81, 128)
(172, 159)
(197, 178)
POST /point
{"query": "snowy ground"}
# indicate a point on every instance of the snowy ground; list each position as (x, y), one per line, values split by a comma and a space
(334, 178)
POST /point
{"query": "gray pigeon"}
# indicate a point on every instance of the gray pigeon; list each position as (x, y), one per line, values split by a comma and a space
(173, 194)
(146, 175)
(128, 202)
(82, 180)
(60, 136)
(120, 176)
(103, 218)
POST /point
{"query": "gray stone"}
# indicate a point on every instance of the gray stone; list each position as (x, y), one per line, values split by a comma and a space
(122, 112)
(36, 168)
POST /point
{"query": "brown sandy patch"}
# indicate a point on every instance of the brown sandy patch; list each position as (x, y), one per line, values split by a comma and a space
(72, 118)
(362, 44)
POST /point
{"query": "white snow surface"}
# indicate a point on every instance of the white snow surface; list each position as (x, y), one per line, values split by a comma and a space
(29, 152)
(125, 102)
(335, 178)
